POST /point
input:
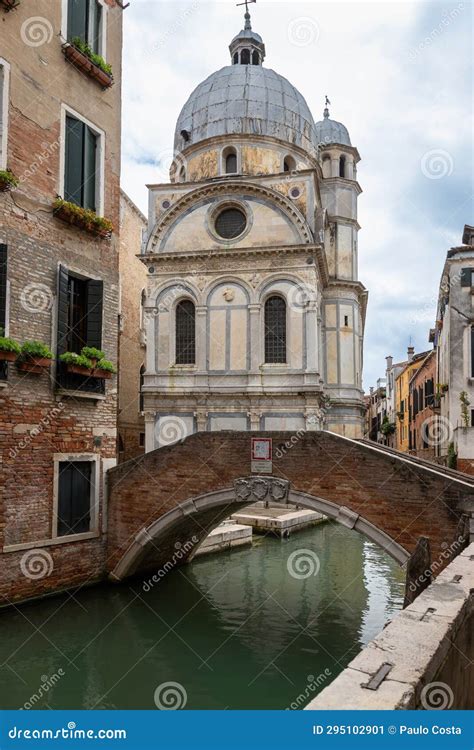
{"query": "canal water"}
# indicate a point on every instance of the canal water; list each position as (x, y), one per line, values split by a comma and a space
(265, 627)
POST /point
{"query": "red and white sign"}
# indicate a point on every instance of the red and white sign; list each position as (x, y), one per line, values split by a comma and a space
(262, 449)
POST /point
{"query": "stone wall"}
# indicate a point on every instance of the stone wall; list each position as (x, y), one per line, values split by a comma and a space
(426, 653)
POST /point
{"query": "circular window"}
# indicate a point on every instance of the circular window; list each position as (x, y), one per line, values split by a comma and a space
(231, 223)
(295, 192)
(166, 204)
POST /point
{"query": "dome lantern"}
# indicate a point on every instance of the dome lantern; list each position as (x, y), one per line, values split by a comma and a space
(247, 48)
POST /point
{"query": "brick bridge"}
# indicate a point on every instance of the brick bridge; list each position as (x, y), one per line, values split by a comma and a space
(169, 500)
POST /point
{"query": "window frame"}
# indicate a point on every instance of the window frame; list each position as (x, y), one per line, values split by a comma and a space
(100, 156)
(103, 25)
(175, 332)
(270, 296)
(93, 532)
(5, 93)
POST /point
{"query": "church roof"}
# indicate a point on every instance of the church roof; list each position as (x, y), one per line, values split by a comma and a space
(331, 131)
(246, 99)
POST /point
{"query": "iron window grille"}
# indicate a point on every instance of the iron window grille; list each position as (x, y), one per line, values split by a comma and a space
(231, 223)
(185, 333)
(275, 331)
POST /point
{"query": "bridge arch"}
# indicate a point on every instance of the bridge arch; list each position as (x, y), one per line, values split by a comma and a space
(174, 527)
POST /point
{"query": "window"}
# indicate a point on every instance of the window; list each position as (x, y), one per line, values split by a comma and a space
(289, 164)
(4, 105)
(342, 166)
(255, 58)
(466, 277)
(231, 223)
(231, 162)
(141, 405)
(74, 497)
(245, 57)
(84, 20)
(82, 165)
(80, 303)
(236, 58)
(142, 440)
(185, 333)
(346, 321)
(3, 304)
(275, 330)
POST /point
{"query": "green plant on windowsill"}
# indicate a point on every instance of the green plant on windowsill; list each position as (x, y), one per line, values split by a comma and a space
(82, 217)
(8, 180)
(387, 428)
(34, 357)
(106, 366)
(465, 404)
(92, 353)
(452, 457)
(91, 365)
(9, 348)
(86, 50)
(77, 360)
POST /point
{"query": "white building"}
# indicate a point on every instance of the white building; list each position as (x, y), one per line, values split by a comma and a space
(254, 312)
(454, 341)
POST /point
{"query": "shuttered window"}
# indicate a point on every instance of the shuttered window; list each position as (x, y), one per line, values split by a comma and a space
(80, 312)
(74, 497)
(466, 277)
(185, 333)
(275, 330)
(81, 164)
(85, 21)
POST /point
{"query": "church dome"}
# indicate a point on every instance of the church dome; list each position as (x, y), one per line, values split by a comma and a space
(250, 100)
(330, 131)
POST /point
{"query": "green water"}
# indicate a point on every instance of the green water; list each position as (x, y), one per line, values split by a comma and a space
(234, 630)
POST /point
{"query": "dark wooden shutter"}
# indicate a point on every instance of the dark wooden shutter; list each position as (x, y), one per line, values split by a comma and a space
(74, 166)
(3, 286)
(74, 501)
(77, 21)
(95, 11)
(63, 310)
(466, 277)
(89, 171)
(95, 296)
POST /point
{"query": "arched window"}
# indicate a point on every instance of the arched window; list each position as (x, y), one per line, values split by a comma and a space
(185, 333)
(275, 330)
(342, 166)
(231, 161)
(255, 58)
(245, 57)
(182, 174)
(236, 58)
(289, 165)
(141, 406)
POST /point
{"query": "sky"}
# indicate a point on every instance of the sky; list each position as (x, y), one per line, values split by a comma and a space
(399, 76)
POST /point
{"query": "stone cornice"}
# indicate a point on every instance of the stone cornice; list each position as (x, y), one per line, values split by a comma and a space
(355, 286)
(342, 182)
(223, 190)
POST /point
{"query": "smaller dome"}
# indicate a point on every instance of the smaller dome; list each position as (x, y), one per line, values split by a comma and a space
(330, 131)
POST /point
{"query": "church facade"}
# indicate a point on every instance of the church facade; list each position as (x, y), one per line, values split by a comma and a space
(254, 313)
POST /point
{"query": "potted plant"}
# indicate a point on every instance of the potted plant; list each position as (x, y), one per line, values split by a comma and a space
(104, 369)
(83, 218)
(76, 364)
(80, 54)
(34, 357)
(92, 354)
(7, 180)
(9, 349)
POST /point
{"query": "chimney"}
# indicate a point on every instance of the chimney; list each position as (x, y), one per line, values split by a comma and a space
(411, 353)
(389, 362)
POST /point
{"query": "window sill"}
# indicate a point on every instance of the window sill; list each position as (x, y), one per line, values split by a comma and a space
(51, 542)
(81, 394)
(85, 65)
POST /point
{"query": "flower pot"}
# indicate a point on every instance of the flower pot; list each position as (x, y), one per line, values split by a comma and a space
(85, 65)
(78, 370)
(8, 356)
(103, 374)
(76, 220)
(35, 365)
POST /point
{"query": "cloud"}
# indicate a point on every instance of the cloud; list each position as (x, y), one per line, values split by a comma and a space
(399, 76)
